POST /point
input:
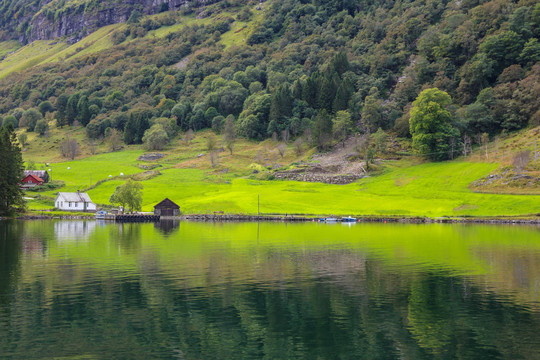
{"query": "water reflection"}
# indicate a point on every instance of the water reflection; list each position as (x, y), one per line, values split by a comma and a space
(252, 291)
(11, 233)
(76, 230)
(167, 227)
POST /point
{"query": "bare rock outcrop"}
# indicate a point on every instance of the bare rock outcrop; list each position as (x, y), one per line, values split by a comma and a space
(75, 22)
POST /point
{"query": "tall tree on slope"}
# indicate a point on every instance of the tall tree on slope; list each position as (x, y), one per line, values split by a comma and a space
(11, 172)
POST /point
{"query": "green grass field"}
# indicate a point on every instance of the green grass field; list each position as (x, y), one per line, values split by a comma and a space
(430, 189)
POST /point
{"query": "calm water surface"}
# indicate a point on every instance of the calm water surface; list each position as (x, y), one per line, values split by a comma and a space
(91, 290)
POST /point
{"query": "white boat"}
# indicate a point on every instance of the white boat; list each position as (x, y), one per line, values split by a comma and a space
(100, 215)
(331, 220)
(348, 219)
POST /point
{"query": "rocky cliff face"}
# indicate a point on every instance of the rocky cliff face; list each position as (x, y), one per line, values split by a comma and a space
(78, 21)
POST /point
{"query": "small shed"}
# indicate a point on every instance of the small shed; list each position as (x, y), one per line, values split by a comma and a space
(167, 208)
(31, 181)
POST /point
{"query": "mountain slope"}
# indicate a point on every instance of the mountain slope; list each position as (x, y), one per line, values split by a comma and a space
(50, 19)
(278, 68)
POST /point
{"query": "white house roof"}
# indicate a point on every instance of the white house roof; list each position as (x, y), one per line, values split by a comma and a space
(74, 197)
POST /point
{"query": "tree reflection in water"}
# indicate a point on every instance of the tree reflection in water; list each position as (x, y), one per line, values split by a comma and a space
(218, 292)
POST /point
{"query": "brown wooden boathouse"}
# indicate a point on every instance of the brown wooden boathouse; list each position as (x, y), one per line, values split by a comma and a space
(167, 208)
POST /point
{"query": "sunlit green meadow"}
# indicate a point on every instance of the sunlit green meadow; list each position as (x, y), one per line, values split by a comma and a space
(430, 189)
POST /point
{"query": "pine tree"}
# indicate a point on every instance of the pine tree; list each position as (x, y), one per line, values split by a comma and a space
(83, 111)
(71, 109)
(340, 63)
(310, 92)
(11, 172)
(328, 91)
(281, 105)
(130, 130)
(61, 106)
(343, 95)
(322, 130)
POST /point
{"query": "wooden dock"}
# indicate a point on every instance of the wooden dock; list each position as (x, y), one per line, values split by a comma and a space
(136, 218)
(210, 217)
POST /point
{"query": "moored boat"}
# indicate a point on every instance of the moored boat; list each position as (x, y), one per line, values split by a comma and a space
(100, 215)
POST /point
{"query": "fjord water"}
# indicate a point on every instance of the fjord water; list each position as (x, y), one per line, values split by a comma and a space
(94, 290)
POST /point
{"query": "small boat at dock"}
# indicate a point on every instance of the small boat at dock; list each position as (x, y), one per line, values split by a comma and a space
(348, 219)
(100, 215)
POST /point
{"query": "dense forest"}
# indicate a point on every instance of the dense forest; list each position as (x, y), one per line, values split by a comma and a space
(316, 69)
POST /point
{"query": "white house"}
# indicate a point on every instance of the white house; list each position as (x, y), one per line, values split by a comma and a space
(74, 202)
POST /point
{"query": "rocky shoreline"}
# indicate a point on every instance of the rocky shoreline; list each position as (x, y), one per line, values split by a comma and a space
(295, 218)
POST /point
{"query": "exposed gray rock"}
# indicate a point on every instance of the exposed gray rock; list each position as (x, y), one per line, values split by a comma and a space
(313, 177)
(150, 157)
(76, 22)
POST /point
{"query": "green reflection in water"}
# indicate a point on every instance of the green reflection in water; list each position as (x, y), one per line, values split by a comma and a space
(76, 289)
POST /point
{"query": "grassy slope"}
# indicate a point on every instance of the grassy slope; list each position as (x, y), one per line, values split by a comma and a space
(51, 51)
(30, 55)
(404, 187)
(7, 47)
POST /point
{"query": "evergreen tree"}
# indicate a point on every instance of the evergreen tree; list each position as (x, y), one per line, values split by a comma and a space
(11, 172)
(137, 124)
(328, 91)
(322, 130)
(130, 130)
(343, 95)
(280, 108)
(71, 109)
(310, 92)
(83, 110)
(340, 63)
(61, 107)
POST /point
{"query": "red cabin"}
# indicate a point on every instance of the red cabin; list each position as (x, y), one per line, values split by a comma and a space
(31, 181)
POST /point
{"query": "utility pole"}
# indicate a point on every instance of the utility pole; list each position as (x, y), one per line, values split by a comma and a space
(258, 205)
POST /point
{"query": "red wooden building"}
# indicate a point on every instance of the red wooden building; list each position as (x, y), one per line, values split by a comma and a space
(31, 181)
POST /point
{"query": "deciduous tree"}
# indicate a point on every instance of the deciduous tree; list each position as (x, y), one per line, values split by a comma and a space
(229, 133)
(69, 148)
(128, 195)
(430, 124)
(155, 138)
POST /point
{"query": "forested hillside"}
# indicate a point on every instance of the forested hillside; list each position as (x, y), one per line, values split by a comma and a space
(316, 69)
